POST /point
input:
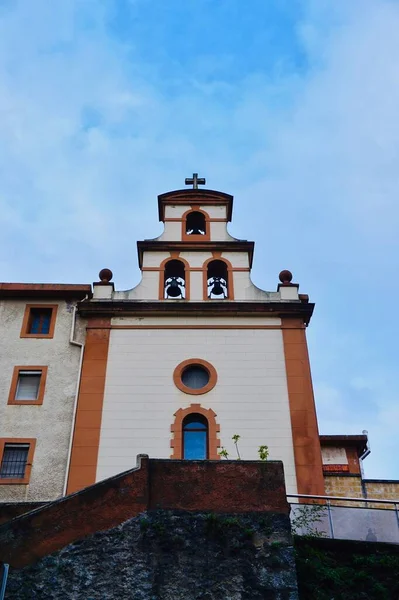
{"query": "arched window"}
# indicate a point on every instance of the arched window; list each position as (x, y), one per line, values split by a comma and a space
(217, 280)
(195, 413)
(174, 280)
(195, 223)
(195, 437)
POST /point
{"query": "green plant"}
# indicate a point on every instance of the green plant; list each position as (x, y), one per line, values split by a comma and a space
(263, 452)
(306, 520)
(223, 452)
(235, 439)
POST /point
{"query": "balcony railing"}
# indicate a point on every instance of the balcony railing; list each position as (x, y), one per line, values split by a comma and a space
(370, 519)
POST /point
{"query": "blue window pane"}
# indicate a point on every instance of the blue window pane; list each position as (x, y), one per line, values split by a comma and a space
(35, 324)
(195, 377)
(195, 445)
(40, 321)
(195, 425)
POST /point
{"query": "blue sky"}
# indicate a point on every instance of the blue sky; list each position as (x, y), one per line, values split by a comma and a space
(289, 105)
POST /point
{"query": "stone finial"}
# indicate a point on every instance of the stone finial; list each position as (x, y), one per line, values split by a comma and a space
(105, 276)
(285, 277)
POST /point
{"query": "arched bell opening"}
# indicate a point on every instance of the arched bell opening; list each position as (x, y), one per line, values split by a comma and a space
(174, 280)
(195, 223)
(217, 280)
(195, 437)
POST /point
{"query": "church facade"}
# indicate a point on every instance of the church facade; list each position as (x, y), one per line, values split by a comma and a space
(173, 368)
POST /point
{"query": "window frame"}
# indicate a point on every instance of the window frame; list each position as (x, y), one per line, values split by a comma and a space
(14, 384)
(195, 237)
(28, 467)
(26, 320)
(176, 443)
(178, 372)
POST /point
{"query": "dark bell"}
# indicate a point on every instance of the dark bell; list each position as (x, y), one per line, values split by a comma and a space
(173, 290)
(217, 288)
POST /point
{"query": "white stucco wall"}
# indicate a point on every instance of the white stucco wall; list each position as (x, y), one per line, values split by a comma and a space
(148, 288)
(334, 455)
(50, 423)
(173, 229)
(250, 397)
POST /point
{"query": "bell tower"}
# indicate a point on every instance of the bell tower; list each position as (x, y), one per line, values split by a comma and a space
(195, 354)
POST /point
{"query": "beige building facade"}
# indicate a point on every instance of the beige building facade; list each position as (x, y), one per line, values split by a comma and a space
(196, 314)
(41, 352)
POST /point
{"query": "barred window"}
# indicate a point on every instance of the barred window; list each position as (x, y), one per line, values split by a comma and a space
(14, 461)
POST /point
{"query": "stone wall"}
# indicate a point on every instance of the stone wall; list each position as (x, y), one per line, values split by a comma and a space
(169, 555)
(353, 486)
(344, 485)
(381, 489)
(218, 486)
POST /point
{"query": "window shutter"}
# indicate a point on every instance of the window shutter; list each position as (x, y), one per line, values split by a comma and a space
(28, 385)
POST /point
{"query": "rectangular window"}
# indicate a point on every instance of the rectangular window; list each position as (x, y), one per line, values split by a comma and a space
(39, 320)
(28, 385)
(13, 464)
(16, 456)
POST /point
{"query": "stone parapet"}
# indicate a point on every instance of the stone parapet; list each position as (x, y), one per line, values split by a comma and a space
(217, 486)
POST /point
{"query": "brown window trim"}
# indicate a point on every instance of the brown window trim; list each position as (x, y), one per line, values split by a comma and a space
(230, 278)
(14, 383)
(177, 429)
(28, 468)
(177, 376)
(161, 269)
(25, 322)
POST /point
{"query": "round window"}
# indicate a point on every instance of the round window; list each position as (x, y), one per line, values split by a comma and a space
(195, 377)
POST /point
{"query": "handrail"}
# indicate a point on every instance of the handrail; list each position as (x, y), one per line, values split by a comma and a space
(3, 582)
(344, 498)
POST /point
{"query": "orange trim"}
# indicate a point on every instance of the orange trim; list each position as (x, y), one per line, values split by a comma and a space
(177, 376)
(86, 436)
(14, 383)
(198, 269)
(25, 323)
(196, 327)
(336, 468)
(173, 256)
(305, 433)
(28, 468)
(230, 282)
(179, 219)
(195, 238)
(177, 429)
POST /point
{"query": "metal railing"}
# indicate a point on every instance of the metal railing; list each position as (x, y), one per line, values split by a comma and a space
(3, 579)
(327, 518)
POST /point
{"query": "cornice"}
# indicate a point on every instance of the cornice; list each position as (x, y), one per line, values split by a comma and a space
(45, 290)
(155, 245)
(117, 308)
(199, 196)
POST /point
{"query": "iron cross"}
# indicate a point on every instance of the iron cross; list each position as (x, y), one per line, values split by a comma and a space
(195, 181)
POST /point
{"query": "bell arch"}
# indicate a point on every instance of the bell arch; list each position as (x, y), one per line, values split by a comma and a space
(195, 225)
(218, 279)
(174, 279)
(183, 416)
